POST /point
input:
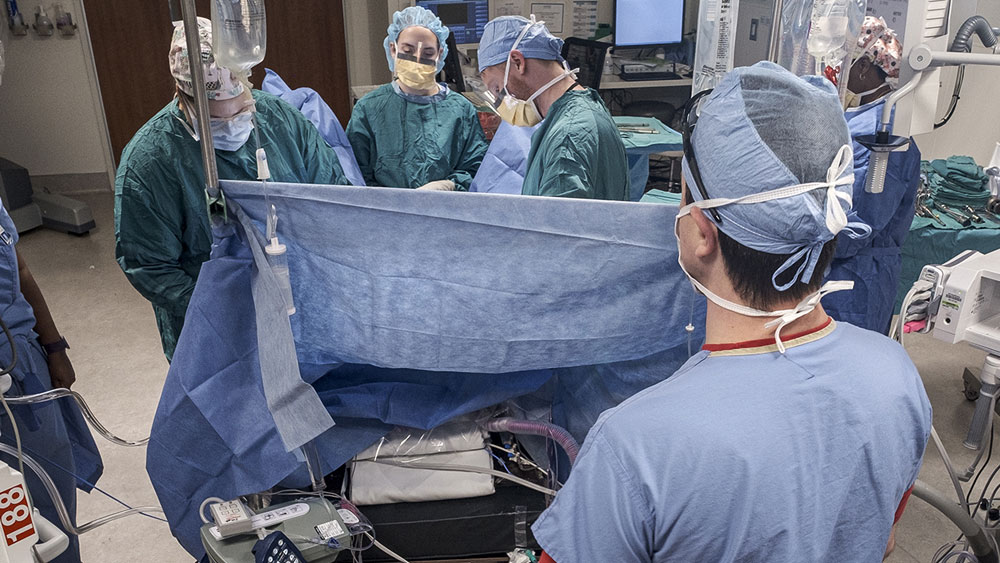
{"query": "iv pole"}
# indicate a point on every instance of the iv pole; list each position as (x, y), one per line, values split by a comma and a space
(213, 196)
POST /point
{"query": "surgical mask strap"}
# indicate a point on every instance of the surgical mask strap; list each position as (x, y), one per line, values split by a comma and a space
(506, 72)
(867, 92)
(553, 82)
(784, 316)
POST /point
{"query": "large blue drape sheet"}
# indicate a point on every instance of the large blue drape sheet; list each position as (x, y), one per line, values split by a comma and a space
(461, 300)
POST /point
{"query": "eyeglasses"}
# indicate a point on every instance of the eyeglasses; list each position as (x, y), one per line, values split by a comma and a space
(688, 121)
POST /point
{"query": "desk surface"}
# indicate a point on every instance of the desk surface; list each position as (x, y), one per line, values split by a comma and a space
(614, 82)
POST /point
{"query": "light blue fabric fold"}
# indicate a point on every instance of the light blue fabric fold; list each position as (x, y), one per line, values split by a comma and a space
(413, 308)
(505, 162)
(312, 106)
(299, 414)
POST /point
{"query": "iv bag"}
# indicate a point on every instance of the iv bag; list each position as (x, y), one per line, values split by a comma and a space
(239, 34)
(713, 56)
(827, 28)
(819, 37)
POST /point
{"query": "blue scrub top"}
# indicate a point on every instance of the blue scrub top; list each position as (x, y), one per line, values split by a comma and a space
(751, 455)
(16, 312)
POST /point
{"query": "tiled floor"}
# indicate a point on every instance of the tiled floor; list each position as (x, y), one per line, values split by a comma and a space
(120, 370)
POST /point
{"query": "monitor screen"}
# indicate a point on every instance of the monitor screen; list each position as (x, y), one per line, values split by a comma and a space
(648, 22)
(466, 19)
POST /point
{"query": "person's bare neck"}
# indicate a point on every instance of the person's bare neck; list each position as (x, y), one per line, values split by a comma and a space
(723, 326)
(545, 100)
(415, 92)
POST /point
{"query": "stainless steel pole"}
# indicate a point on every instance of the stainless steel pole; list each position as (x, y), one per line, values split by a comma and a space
(773, 48)
(200, 100)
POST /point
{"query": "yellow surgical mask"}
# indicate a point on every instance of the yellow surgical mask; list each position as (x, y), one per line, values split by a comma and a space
(524, 113)
(518, 112)
(415, 72)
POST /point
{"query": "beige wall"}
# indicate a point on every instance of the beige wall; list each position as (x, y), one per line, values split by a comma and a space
(51, 119)
(975, 128)
(366, 22)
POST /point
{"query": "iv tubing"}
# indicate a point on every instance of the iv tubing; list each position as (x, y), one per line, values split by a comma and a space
(64, 517)
(58, 393)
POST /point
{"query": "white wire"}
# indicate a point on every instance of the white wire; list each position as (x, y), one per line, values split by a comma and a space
(948, 466)
(204, 503)
(385, 549)
(472, 469)
(17, 434)
(896, 333)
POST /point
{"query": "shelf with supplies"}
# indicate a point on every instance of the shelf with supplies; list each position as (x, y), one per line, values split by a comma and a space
(615, 82)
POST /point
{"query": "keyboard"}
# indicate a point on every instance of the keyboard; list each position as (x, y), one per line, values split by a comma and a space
(643, 76)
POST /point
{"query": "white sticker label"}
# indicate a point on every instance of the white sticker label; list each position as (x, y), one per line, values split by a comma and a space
(330, 530)
(349, 517)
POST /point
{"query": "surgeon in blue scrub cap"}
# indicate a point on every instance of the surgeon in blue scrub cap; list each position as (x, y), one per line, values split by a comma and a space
(415, 132)
(792, 440)
(577, 150)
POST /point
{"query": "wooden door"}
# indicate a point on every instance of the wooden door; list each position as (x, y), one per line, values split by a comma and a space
(130, 38)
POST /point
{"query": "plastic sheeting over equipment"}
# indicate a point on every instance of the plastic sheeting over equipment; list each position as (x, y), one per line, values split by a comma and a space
(462, 301)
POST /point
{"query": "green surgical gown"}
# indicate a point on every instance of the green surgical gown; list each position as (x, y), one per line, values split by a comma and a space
(162, 234)
(577, 151)
(402, 143)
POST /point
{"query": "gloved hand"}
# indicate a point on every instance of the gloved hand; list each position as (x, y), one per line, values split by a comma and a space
(439, 185)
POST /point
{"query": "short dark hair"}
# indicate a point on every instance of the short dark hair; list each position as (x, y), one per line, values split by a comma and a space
(750, 272)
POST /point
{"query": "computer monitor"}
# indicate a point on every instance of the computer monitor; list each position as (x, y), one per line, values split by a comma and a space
(648, 23)
(465, 18)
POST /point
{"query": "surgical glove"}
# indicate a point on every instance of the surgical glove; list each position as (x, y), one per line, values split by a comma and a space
(439, 185)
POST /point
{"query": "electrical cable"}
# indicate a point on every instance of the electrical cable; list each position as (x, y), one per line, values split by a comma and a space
(472, 469)
(520, 459)
(955, 97)
(204, 503)
(982, 494)
(500, 461)
(88, 483)
(950, 468)
(968, 496)
(385, 549)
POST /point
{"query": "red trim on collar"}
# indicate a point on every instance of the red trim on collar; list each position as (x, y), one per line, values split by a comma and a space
(763, 341)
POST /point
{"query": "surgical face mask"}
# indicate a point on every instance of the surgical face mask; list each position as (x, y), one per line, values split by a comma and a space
(524, 113)
(836, 220)
(853, 100)
(415, 72)
(232, 133)
(228, 133)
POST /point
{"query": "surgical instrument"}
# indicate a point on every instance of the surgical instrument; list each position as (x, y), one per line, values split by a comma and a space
(962, 219)
(924, 211)
(990, 215)
(972, 214)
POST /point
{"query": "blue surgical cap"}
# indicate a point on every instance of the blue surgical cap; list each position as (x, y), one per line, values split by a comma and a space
(416, 15)
(500, 34)
(761, 129)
